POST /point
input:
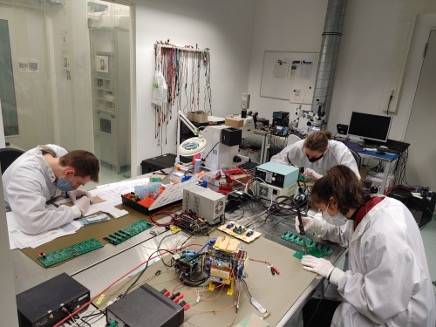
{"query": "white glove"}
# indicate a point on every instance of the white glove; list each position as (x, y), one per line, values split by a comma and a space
(83, 204)
(317, 224)
(322, 267)
(311, 174)
(78, 193)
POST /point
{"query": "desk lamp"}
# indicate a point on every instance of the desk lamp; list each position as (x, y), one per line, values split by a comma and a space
(192, 145)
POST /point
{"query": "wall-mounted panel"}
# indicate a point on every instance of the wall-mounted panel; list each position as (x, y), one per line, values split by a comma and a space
(289, 75)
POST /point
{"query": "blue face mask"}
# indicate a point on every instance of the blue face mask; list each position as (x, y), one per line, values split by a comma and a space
(64, 185)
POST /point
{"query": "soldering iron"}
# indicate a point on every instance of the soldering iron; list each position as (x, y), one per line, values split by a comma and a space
(301, 227)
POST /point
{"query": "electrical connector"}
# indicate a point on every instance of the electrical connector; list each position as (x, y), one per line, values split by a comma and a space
(184, 305)
(172, 297)
(165, 292)
(178, 298)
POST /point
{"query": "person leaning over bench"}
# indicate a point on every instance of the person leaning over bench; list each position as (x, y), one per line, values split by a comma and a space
(317, 154)
(40, 175)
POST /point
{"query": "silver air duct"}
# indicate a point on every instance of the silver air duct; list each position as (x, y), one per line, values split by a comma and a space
(325, 78)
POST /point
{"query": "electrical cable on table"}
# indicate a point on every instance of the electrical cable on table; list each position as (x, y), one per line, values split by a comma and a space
(113, 283)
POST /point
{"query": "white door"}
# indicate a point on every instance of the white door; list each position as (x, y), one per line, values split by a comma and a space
(421, 130)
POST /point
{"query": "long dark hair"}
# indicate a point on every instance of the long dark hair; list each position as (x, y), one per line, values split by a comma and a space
(341, 183)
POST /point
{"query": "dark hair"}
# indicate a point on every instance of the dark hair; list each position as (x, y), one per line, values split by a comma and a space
(85, 163)
(317, 141)
(341, 183)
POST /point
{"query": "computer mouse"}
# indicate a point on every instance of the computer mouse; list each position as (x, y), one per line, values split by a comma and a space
(383, 147)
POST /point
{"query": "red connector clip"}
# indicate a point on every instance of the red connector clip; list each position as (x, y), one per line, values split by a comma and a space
(274, 270)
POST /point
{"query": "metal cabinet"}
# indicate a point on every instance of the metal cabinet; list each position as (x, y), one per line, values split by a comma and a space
(111, 95)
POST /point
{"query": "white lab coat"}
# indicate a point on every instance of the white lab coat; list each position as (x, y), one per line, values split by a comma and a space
(28, 184)
(337, 154)
(388, 282)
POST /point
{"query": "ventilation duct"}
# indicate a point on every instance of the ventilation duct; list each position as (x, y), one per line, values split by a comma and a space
(325, 78)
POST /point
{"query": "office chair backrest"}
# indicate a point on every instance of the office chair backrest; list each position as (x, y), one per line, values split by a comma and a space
(8, 156)
(357, 157)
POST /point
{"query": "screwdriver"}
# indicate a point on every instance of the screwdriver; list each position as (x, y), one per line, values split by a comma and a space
(302, 232)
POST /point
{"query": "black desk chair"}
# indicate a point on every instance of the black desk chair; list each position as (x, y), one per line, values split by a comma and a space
(8, 156)
(357, 157)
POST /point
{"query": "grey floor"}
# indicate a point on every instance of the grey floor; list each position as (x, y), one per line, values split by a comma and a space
(109, 175)
(428, 232)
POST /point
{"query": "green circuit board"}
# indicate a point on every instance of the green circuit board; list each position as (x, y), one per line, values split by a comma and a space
(314, 248)
(69, 252)
(127, 232)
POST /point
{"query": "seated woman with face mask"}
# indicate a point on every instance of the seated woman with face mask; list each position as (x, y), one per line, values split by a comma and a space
(317, 154)
(387, 282)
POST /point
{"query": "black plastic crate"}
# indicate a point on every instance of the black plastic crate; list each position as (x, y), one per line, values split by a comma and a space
(421, 208)
(156, 163)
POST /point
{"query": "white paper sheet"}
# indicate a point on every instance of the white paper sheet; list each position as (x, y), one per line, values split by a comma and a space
(19, 239)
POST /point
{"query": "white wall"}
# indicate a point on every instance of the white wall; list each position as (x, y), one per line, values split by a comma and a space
(373, 34)
(366, 65)
(366, 62)
(368, 49)
(282, 25)
(225, 27)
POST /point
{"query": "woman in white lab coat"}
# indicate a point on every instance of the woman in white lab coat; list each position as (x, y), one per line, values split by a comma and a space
(388, 282)
(317, 154)
(41, 174)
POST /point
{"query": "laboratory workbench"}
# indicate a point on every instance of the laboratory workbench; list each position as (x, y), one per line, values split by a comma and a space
(283, 295)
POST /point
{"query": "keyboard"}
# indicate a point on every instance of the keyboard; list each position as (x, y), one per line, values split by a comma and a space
(373, 147)
(392, 145)
(397, 145)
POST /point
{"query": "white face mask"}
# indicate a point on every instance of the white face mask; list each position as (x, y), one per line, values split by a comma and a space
(336, 220)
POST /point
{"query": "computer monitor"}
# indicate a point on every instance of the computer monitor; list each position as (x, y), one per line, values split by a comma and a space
(369, 126)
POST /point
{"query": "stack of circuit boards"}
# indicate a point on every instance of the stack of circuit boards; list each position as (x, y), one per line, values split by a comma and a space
(128, 232)
(189, 222)
(314, 248)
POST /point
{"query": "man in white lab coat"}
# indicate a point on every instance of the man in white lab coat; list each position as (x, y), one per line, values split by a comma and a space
(317, 154)
(40, 175)
(388, 282)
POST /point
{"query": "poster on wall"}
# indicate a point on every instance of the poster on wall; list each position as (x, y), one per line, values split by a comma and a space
(289, 76)
(27, 65)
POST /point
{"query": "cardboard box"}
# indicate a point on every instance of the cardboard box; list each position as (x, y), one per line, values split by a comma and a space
(234, 121)
(197, 116)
